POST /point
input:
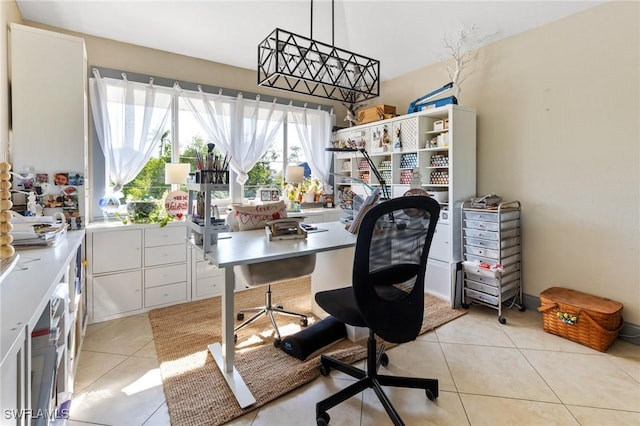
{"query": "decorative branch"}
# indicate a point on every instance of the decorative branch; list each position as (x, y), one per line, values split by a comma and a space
(462, 51)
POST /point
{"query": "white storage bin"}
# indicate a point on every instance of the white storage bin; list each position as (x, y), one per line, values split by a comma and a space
(492, 216)
(491, 226)
(491, 244)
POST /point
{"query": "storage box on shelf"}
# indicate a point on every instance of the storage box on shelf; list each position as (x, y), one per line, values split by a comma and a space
(492, 256)
(438, 144)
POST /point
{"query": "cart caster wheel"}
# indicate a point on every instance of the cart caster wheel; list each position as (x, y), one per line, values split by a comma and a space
(521, 308)
(324, 370)
(384, 360)
(430, 395)
(502, 320)
(240, 316)
(304, 322)
(322, 419)
(465, 305)
(235, 338)
(276, 342)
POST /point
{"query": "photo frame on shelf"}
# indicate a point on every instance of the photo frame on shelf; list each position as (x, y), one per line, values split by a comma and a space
(269, 194)
(265, 195)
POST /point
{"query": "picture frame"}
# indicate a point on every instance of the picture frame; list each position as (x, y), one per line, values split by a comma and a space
(265, 195)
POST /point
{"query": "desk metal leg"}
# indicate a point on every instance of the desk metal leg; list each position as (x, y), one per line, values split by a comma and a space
(223, 353)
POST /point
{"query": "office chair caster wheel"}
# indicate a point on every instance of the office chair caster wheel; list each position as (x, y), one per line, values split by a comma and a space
(522, 308)
(322, 419)
(465, 305)
(324, 370)
(277, 342)
(304, 322)
(384, 360)
(240, 316)
(502, 320)
(430, 395)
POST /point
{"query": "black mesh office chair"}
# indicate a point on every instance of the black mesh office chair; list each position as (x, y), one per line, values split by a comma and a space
(387, 295)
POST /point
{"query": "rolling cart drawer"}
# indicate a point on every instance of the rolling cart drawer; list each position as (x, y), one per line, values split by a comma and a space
(489, 289)
(506, 261)
(491, 216)
(492, 226)
(492, 244)
(493, 254)
(484, 279)
(486, 298)
(491, 235)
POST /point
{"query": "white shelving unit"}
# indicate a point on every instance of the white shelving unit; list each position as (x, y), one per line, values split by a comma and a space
(492, 237)
(204, 232)
(440, 145)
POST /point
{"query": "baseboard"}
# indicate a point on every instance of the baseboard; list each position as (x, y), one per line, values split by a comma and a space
(629, 333)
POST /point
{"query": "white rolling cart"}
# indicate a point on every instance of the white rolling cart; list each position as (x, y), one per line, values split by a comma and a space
(492, 258)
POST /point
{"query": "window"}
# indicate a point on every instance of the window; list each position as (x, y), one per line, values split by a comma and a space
(188, 128)
(268, 172)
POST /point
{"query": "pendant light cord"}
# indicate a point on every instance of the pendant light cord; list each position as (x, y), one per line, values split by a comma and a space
(333, 26)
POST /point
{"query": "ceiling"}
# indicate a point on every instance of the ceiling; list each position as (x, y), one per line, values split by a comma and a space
(403, 35)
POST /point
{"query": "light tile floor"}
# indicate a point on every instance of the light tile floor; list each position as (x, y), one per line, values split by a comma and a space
(489, 374)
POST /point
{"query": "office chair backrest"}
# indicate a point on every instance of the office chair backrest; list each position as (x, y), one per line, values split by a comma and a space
(389, 265)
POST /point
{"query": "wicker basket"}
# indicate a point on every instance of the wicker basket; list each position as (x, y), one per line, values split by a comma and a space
(583, 318)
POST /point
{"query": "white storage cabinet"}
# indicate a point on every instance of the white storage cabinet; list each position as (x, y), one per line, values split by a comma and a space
(491, 237)
(440, 145)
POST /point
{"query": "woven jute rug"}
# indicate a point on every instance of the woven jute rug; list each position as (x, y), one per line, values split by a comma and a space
(195, 391)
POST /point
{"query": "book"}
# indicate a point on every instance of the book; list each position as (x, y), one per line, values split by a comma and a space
(358, 214)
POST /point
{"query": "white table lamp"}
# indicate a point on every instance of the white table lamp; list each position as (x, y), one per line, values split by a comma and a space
(294, 174)
(177, 200)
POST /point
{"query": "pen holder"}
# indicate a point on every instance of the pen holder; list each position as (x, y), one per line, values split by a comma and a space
(212, 176)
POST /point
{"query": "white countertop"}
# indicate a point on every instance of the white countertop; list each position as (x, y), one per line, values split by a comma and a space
(24, 293)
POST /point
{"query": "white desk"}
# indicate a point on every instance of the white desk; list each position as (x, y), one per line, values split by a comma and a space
(248, 247)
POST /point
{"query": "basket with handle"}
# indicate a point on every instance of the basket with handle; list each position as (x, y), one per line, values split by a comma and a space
(583, 318)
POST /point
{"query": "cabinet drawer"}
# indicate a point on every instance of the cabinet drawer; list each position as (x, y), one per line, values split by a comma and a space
(117, 293)
(211, 286)
(440, 246)
(116, 251)
(165, 294)
(154, 256)
(164, 236)
(165, 275)
(205, 269)
(490, 253)
(491, 216)
(489, 289)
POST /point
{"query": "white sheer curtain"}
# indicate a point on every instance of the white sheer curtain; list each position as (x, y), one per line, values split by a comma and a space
(243, 128)
(314, 131)
(130, 119)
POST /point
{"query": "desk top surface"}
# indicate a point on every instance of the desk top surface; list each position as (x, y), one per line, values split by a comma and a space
(253, 246)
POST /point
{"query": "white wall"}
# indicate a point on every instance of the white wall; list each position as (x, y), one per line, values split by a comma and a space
(559, 129)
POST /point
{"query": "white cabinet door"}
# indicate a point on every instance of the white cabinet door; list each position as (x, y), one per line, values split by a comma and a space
(116, 251)
(117, 293)
(13, 386)
(438, 279)
(440, 245)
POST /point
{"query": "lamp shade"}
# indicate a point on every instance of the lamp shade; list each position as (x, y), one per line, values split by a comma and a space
(176, 173)
(294, 174)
